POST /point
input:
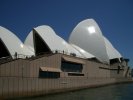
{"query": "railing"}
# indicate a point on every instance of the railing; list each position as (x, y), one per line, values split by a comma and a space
(16, 56)
(67, 53)
(5, 59)
(13, 57)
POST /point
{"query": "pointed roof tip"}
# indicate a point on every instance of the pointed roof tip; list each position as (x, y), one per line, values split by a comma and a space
(45, 28)
(1, 27)
(88, 19)
(5, 30)
(8, 31)
(42, 26)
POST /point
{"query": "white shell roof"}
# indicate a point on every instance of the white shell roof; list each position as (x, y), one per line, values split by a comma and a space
(86, 41)
(111, 51)
(53, 41)
(13, 44)
(83, 52)
(88, 36)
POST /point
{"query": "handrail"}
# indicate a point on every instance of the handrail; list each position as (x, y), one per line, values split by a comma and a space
(22, 56)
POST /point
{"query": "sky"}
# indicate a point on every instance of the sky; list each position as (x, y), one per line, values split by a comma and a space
(114, 17)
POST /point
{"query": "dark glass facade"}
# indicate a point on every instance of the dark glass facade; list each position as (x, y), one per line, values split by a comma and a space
(47, 74)
(75, 74)
(71, 67)
(113, 61)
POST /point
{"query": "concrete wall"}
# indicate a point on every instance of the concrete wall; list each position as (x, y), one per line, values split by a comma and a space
(11, 87)
(20, 77)
(30, 68)
(124, 72)
(92, 70)
(16, 68)
(53, 61)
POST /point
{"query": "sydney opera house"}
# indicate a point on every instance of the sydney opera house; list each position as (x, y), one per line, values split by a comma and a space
(46, 63)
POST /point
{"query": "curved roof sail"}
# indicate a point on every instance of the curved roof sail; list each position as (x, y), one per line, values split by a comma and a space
(10, 44)
(83, 52)
(88, 36)
(111, 51)
(86, 41)
(51, 41)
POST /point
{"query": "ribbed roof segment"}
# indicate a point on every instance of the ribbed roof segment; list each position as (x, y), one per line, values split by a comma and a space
(13, 43)
(53, 41)
(88, 36)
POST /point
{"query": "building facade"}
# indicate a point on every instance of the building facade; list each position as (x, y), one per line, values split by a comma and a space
(45, 63)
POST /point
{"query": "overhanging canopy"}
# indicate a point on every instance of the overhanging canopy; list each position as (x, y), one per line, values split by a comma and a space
(73, 60)
(50, 69)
